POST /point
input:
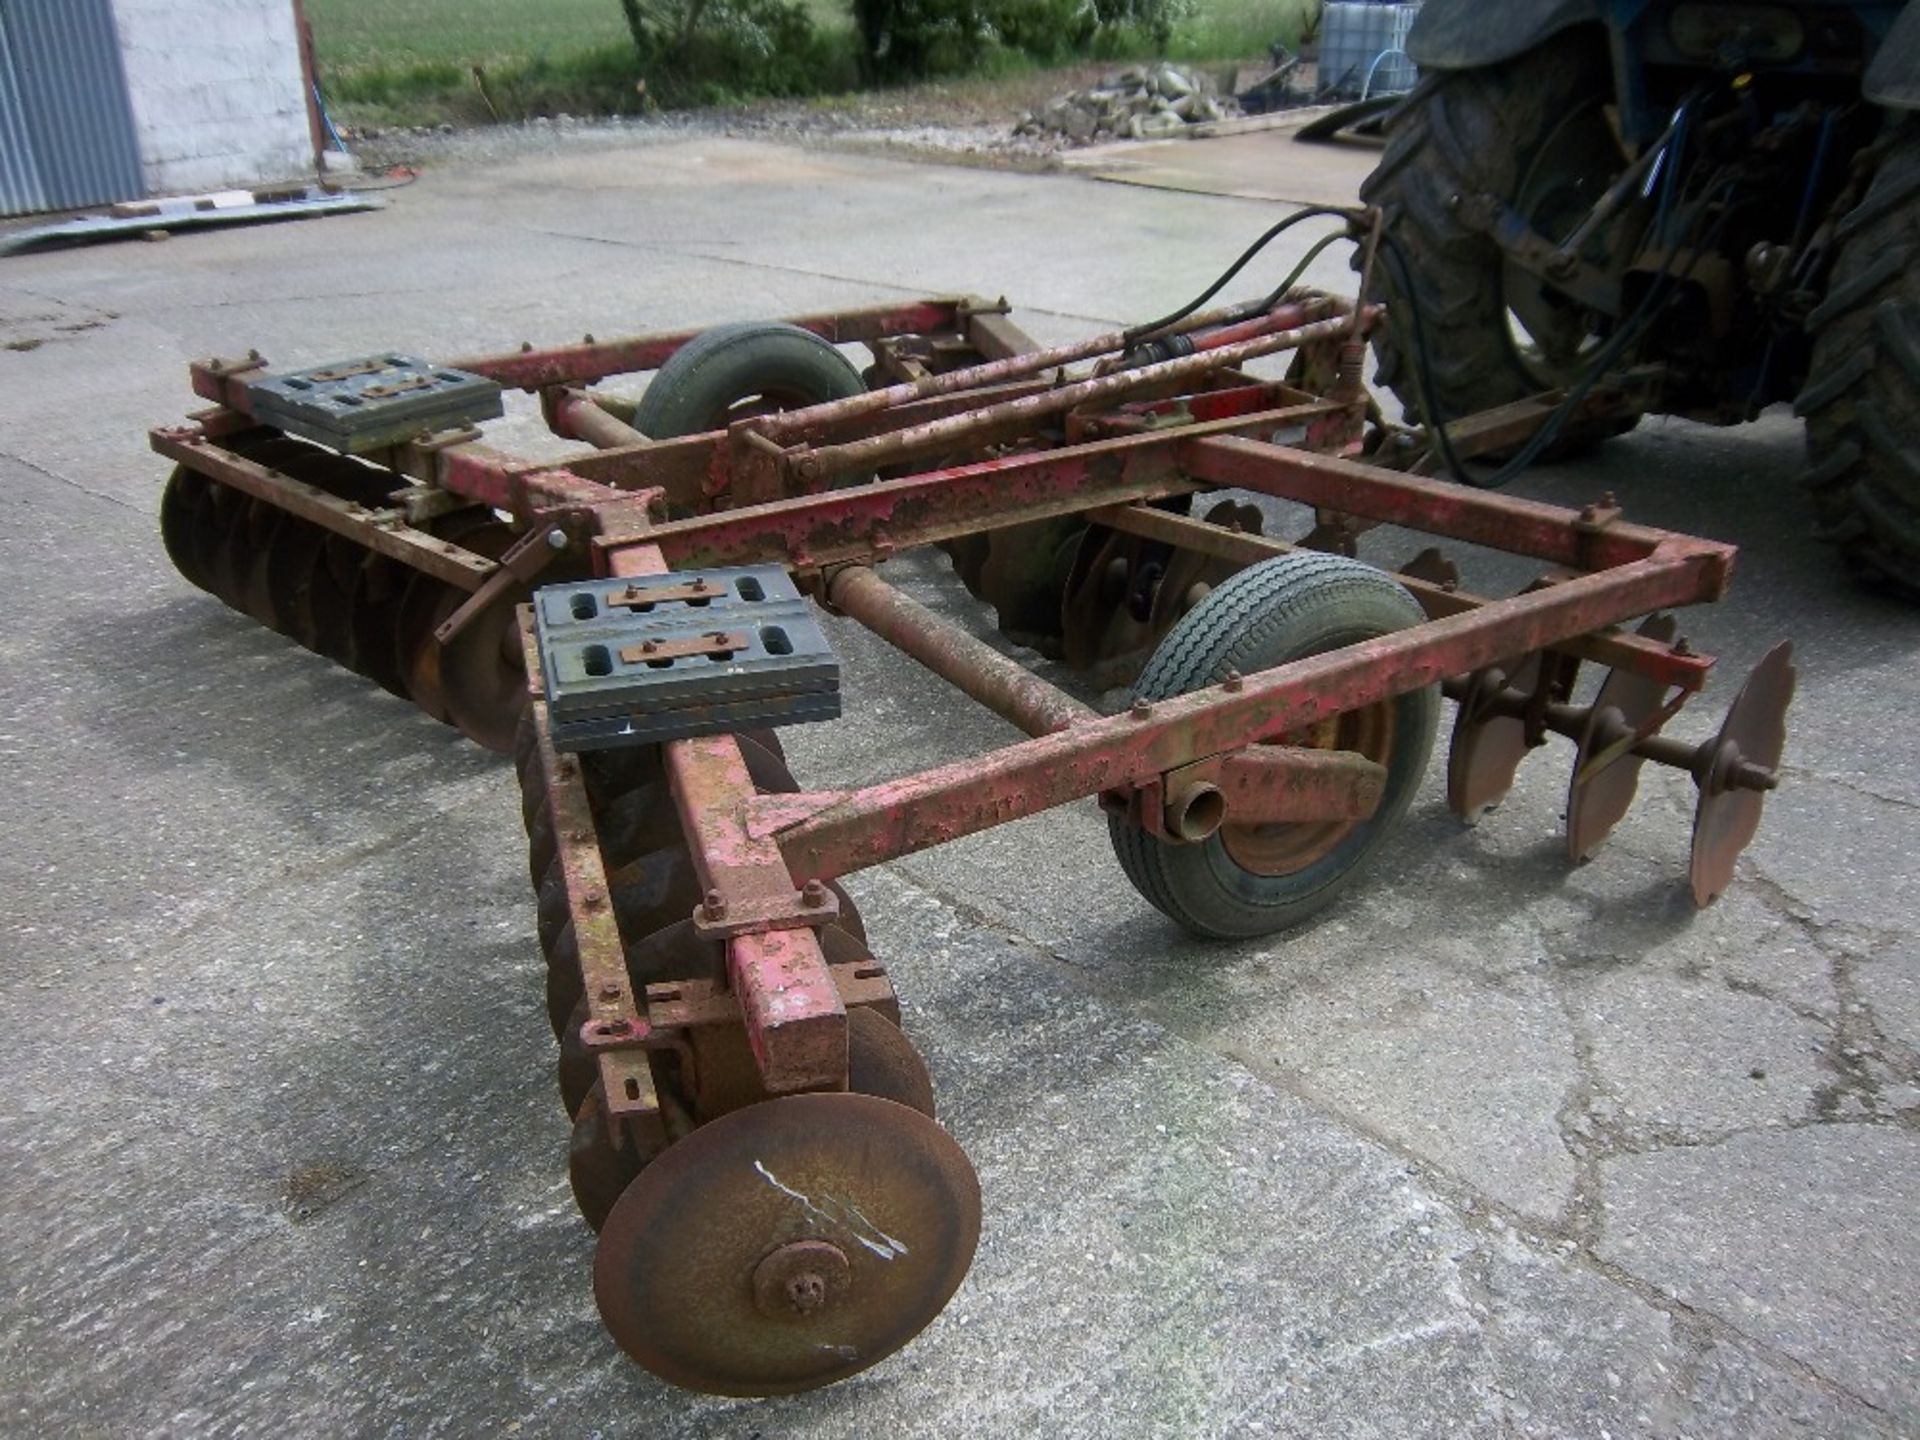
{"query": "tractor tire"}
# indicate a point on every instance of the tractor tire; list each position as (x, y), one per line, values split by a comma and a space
(1496, 130)
(1862, 400)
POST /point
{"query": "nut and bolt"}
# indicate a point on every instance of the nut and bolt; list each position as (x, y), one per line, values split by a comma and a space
(1142, 710)
(813, 894)
(1233, 683)
(715, 906)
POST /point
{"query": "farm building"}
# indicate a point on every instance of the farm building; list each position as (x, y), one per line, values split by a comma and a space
(111, 100)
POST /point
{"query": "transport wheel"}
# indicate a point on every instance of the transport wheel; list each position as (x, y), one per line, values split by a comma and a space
(1534, 133)
(732, 372)
(1249, 880)
(787, 1245)
(1862, 397)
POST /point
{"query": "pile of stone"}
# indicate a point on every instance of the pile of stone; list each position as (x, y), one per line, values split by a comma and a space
(1139, 104)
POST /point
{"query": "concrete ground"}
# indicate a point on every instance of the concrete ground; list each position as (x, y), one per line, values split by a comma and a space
(1498, 1147)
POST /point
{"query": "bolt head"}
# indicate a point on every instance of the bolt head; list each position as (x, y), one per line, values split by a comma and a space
(556, 539)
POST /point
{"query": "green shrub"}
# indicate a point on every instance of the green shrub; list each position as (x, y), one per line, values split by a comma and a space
(905, 39)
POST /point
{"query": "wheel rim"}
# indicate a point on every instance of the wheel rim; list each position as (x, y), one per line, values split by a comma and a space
(1290, 847)
(770, 401)
(1551, 334)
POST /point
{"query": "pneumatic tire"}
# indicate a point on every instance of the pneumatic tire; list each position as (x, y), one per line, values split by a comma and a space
(732, 371)
(1251, 880)
(1862, 397)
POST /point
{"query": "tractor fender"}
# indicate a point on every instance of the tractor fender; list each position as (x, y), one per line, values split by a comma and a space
(1893, 79)
(1466, 34)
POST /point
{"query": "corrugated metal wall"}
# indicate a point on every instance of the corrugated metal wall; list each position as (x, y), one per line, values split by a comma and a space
(66, 125)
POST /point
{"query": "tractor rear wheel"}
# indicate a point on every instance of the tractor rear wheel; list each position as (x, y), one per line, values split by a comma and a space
(1862, 400)
(1534, 133)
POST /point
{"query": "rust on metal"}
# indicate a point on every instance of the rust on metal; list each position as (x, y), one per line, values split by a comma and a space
(795, 1020)
(703, 1258)
(581, 364)
(716, 644)
(1004, 686)
(381, 531)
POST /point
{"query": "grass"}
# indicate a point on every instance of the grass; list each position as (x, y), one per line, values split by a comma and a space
(412, 61)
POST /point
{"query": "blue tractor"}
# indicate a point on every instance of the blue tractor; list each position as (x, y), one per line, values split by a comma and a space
(1705, 207)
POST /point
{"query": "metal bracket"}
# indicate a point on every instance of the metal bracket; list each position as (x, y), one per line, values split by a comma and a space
(529, 555)
(1508, 229)
(810, 907)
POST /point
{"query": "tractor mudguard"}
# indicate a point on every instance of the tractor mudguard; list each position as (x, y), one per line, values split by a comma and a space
(1893, 79)
(1466, 34)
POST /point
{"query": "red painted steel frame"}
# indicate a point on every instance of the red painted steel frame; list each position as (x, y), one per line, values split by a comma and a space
(755, 854)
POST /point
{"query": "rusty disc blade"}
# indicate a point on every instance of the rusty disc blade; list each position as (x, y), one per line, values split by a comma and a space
(424, 603)
(1606, 777)
(551, 903)
(214, 518)
(542, 852)
(609, 774)
(787, 1245)
(1023, 575)
(291, 561)
(481, 673)
(1191, 574)
(330, 598)
(565, 988)
(1487, 748)
(373, 613)
(1106, 616)
(881, 1061)
(645, 817)
(180, 502)
(597, 1169)
(1755, 733)
(255, 536)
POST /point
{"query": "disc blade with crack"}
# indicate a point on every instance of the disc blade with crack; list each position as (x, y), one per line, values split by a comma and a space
(788, 1245)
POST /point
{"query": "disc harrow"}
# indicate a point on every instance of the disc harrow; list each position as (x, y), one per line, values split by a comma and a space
(752, 1133)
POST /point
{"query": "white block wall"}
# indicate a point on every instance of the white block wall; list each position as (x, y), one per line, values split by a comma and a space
(218, 96)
